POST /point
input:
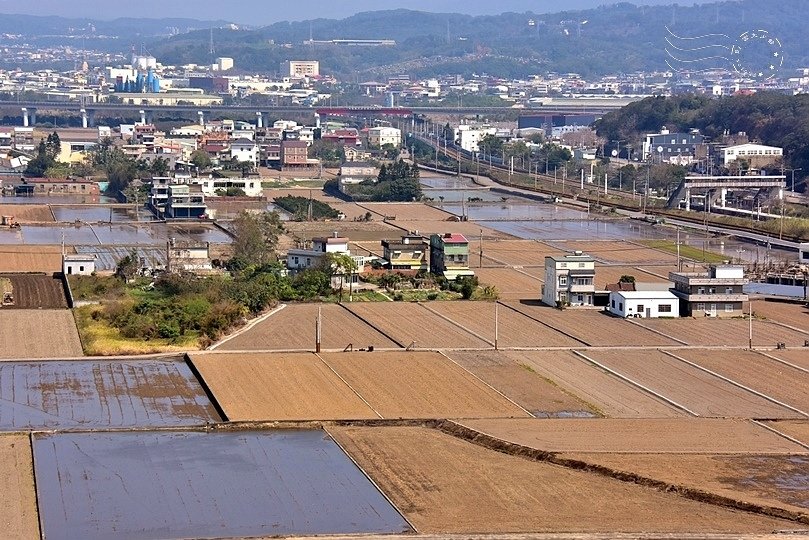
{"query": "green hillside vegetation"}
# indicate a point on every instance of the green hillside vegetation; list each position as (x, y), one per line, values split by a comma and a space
(299, 207)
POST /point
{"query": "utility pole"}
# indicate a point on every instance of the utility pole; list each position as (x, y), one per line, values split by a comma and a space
(750, 318)
(496, 324)
(679, 261)
(480, 264)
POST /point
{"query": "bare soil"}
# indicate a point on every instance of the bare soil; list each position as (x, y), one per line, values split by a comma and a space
(374, 230)
(31, 258)
(795, 315)
(516, 253)
(294, 328)
(256, 387)
(407, 322)
(419, 385)
(699, 392)
(618, 252)
(38, 334)
(406, 211)
(37, 291)
(447, 485)
(638, 436)
(724, 332)
(797, 429)
(28, 213)
(607, 394)
(18, 505)
(609, 274)
(521, 383)
(511, 284)
(469, 229)
(514, 329)
(797, 356)
(756, 371)
(764, 480)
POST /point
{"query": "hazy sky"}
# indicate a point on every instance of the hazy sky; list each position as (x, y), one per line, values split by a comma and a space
(268, 11)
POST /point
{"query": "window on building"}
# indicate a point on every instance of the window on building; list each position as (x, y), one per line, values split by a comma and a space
(728, 290)
(580, 298)
(700, 307)
(613, 304)
(81, 269)
(296, 261)
(701, 291)
(664, 308)
(621, 306)
(728, 308)
(640, 308)
(563, 281)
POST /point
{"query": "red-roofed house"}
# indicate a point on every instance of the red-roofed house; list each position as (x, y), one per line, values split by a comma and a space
(449, 256)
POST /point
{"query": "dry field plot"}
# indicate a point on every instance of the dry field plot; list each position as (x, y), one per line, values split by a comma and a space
(637, 436)
(40, 333)
(351, 210)
(406, 211)
(315, 193)
(521, 383)
(419, 385)
(619, 252)
(255, 387)
(724, 332)
(592, 327)
(797, 429)
(24, 258)
(469, 229)
(28, 213)
(774, 379)
(511, 284)
(293, 328)
(516, 253)
(607, 275)
(37, 291)
(764, 480)
(408, 322)
(18, 505)
(357, 231)
(446, 485)
(692, 389)
(367, 248)
(794, 315)
(514, 329)
(605, 393)
(797, 357)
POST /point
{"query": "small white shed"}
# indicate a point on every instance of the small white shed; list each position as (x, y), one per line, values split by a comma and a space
(644, 304)
(81, 264)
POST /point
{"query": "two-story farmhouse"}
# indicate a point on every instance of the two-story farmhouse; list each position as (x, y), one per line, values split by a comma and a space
(716, 293)
(449, 256)
(569, 280)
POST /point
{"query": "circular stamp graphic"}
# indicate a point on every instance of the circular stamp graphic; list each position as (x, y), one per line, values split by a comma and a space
(757, 53)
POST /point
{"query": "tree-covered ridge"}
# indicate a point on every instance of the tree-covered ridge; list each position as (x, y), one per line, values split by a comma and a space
(768, 118)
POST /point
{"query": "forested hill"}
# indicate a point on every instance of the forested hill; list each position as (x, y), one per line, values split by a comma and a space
(610, 39)
(769, 118)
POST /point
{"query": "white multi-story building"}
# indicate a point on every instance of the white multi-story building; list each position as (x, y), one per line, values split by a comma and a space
(756, 154)
(380, 136)
(299, 69)
(468, 136)
(300, 259)
(569, 280)
(224, 63)
(244, 150)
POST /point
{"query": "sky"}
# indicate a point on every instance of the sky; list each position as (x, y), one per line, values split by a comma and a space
(258, 12)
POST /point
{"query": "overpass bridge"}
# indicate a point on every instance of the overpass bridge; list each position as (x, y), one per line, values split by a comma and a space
(723, 184)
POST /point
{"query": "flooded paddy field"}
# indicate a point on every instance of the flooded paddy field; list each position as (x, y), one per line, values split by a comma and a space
(85, 234)
(101, 394)
(100, 214)
(204, 485)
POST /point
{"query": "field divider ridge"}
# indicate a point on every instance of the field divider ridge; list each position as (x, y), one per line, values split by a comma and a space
(543, 323)
(780, 434)
(247, 327)
(634, 383)
(40, 525)
(785, 325)
(345, 382)
(736, 384)
(781, 361)
(442, 353)
(455, 323)
(372, 325)
(495, 444)
(658, 332)
(206, 388)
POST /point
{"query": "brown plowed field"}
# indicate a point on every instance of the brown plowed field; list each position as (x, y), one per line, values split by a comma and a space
(607, 394)
(798, 357)
(695, 390)
(27, 213)
(293, 328)
(255, 387)
(38, 333)
(783, 383)
(795, 315)
(352, 210)
(797, 429)
(419, 385)
(608, 275)
(522, 384)
(316, 193)
(764, 480)
(37, 291)
(593, 327)
(18, 505)
(511, 284)
(367, 248)
(406, 211)
(407, 322)
(28, 258)
(353, 230)
(514, 329)
(724, 332)
(515, 253)
(661, 272)
(447, 485)
(619, 252)
(469, 229)
(637, 436)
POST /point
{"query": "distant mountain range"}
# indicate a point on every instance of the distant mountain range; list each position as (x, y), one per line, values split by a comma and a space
(610, 39)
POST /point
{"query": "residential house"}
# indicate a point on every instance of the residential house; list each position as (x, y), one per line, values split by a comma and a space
(449, 256)
(346, 136)
(300, 259)
(411, 252)
(716, 293)
(294, 154)
(244, 150)
(665, 145)
(185, 201)
(644, 304)
(468, 136)
(58, 186)
(380, 136)
(188, 256)
(569, 280)
(353, 153)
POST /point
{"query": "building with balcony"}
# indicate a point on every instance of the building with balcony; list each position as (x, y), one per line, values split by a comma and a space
(294, 154)
(380, 136)
(449, 256)
(716, 293)
(185, 202)
(569, 280)
(411, 252)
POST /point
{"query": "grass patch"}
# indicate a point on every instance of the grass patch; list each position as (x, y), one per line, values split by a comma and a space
(369, 296)
(99, 338)
(687, 252)
(419, 295)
